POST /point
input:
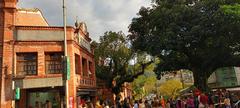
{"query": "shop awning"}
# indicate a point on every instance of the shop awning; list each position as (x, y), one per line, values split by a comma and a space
(86, 92)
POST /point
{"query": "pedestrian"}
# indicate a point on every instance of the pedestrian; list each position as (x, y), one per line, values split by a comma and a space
(90, 104)
(126, 103)
(173, 103)
(118, 102)
(141, 104)
(98, 104)
(147, 105)
(162, 101)
(168, 104)
(211, 100)
(156, 103)
(136, 104)
(227, 103)
(179, 103)
(106, 104)
(190, 102)
(84, 105)
(183, 102)
(48, 104)
(196, 102)
(37, 105)
(203, 101)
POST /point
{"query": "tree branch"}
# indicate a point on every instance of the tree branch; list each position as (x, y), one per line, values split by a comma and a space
(130, 78)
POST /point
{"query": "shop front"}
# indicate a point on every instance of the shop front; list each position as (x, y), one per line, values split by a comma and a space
(41, 98)
(40, 92)
(86, 97)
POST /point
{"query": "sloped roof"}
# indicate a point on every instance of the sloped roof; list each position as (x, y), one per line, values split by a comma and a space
(30, 17)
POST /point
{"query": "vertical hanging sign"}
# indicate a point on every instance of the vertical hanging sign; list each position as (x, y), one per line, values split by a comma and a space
(17, 93)
(66, 63)
(68, 68)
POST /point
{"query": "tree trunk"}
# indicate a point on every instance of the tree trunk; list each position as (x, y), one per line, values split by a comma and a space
(200, 80)
(116, 90)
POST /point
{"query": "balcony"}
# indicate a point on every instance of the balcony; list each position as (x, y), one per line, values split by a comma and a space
(85, 81)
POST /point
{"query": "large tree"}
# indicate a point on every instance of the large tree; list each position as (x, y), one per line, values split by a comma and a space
(198, 35)
(113, 57)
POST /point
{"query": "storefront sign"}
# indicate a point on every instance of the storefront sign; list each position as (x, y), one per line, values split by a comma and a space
(17, 93)
(68, 68)
(84, 43)
(66, 62)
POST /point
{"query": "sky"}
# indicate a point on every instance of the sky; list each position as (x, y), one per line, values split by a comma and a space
(99, 15)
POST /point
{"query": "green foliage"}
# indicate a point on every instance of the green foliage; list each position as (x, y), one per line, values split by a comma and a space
(150, 85)
(231, 9)
(200, 36)
(144, 85)
(137, 85)
(112, 57)
(171, 88)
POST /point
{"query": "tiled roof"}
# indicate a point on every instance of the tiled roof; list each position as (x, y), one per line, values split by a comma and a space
(30, 17)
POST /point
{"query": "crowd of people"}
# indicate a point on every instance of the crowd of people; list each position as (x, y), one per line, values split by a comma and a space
(216, 99)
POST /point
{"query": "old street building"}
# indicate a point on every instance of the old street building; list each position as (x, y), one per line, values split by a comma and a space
(31, 55)
(227, 78)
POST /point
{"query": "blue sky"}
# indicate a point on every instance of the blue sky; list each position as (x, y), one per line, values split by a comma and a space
(99, 15)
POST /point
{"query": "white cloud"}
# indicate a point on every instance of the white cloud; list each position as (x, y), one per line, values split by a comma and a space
(99, 15)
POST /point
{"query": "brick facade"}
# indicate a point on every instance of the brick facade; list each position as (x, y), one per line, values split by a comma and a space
(10, 47)
(8, 8)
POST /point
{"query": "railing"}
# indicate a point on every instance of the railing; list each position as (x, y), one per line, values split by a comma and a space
(83, 82)
(26, 68)
(54, 67)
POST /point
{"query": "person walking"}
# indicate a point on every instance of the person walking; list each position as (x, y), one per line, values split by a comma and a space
(168, 104)
(141, 104)
(136, 104)
(162, 101)
(48, 104)
(98, 104)
(147, 105)
(37, 105)
(203, 101)
(227, 103)
(190, 102)
(126, 103)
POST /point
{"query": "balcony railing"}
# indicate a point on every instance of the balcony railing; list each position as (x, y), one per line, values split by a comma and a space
(85, 82)
(54, 67)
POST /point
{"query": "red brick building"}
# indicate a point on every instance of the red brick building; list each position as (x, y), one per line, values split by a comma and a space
(31, 54)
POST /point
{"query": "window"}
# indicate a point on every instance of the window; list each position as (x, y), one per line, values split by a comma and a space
(77, 64)
(84, 67)
(54, 64)
(90, 71)
(26, 64)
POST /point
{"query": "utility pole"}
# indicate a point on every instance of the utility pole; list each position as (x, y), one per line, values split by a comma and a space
(65, 80)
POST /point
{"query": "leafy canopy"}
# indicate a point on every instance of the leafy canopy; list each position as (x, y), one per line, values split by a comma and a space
(198, 35)
(113, 55)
